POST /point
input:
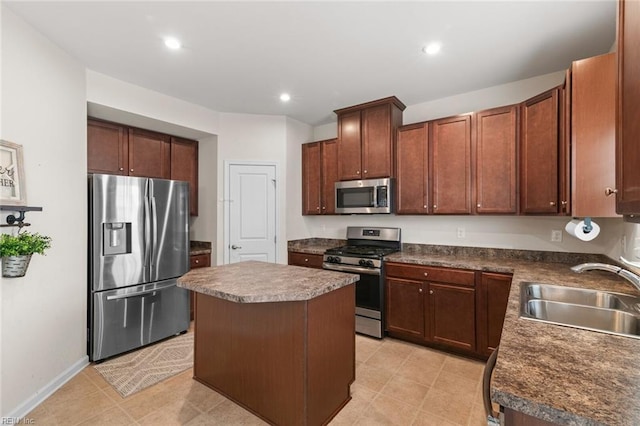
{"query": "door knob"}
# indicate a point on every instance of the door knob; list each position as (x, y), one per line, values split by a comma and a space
(235, 247)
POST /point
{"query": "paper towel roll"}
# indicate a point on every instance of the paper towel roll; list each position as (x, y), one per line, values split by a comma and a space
(575, 228)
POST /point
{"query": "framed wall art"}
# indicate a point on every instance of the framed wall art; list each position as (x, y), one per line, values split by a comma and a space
(12, 188)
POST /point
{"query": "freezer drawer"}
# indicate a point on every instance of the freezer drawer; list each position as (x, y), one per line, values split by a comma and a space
(131, 317)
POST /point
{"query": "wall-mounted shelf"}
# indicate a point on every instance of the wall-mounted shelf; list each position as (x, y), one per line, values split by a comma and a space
(18, 221)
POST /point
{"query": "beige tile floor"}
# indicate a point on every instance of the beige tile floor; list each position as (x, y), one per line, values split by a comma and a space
(396, 384)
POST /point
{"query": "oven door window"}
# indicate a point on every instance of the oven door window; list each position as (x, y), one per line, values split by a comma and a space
(368, 292)
(355, 197)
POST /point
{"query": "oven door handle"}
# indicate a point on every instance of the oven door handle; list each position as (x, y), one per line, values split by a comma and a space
(354, 269)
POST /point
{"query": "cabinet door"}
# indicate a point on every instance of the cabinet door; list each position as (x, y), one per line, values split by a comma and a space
(496, 161)
(377, 152)
(106, 148)
(149, 154)
(453, 316)
(540, 154)
(593, 118)
(405, 307)
(305, 259)
(412, 171)
(451, 165)
(628, 128)
(311, 178)
(493, 295)
(329, 175)
(184, 166)
(349, 146)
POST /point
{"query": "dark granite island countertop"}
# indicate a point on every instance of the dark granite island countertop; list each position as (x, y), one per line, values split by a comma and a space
(260, 282)
(279, 340)
(559, 374)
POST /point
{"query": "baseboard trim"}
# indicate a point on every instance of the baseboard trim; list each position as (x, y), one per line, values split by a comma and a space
(45, 392)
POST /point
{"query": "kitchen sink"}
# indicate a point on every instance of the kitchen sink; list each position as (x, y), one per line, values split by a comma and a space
(608, 312)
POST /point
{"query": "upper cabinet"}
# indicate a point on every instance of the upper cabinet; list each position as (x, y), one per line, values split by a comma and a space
(628, 109)
(121, 150)
(366, 139)
(319, 174)
(451, 165)
(149, 154)
(184, 166)
(496, 133)
(542, 154)
(412, 170)
(107, 148)
(593, 91)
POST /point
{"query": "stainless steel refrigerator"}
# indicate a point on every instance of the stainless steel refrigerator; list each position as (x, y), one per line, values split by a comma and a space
(138, 247)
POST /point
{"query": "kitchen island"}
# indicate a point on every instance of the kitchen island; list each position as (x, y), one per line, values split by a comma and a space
(278, 340)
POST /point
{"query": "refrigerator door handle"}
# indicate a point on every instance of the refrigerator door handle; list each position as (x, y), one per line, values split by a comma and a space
(147, 235)
(140, 293)
(154, 238)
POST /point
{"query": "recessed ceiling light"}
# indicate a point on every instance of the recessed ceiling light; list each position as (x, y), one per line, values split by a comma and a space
(172, 43)
(285, 97)
(431, 48)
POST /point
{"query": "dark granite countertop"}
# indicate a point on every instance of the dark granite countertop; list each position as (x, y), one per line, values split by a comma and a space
(260, 282)
(199, 247)
(559, 374)
(314, 245)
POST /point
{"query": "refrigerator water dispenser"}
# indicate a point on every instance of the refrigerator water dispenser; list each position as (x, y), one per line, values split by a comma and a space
(116, 238)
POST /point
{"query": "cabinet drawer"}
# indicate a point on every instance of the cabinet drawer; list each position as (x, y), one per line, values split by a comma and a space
(200, 260)
(430, 273)
(305, 259)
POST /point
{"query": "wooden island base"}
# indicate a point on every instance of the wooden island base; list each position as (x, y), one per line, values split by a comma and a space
(290, 363)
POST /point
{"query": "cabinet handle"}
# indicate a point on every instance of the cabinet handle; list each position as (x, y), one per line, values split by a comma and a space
(478, 205)
(318, 208)
(552, 203)
(131, 170)
(357, 172)
(424, 207)
(306, 260)
(419, 290)
(426, 274)
(365, 172)
(610, 191)
(430, 291)
(435, 207)
(196, 261)
(564, 203)
(121, 169)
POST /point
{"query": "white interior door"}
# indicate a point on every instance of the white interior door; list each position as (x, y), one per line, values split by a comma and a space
(252, 213)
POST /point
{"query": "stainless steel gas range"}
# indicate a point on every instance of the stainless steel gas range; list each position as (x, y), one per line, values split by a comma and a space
(366, 246)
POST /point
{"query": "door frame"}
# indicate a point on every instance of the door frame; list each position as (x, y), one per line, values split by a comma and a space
(227, 203)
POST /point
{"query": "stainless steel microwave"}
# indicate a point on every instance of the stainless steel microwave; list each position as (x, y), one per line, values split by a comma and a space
(364, 196)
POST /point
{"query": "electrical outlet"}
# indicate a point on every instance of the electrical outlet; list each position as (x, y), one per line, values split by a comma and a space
(556, 236)
(461, 233)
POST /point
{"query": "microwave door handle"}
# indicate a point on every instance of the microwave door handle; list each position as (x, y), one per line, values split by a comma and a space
(375, 196)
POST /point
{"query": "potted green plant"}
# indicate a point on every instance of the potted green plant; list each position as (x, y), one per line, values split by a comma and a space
(16, 251)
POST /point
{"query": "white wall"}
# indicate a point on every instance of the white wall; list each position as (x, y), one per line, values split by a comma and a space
(203, 227)
(260, 138)
(297, 134)
(44, 314)
(532, 233)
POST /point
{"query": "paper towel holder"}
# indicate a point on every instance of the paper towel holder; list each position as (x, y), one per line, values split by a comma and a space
(588, 227)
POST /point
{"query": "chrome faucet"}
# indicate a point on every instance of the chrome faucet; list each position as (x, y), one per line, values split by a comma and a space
(624, 273)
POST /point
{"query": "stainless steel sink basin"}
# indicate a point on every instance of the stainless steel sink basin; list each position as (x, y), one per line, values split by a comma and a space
(578, 296)
(603, 311)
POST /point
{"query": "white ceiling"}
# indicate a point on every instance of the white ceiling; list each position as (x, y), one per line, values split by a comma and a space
(239, 56)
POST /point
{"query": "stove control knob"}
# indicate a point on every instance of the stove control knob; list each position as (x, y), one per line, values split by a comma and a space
(370, 263)
(362, 262)
(333, 259)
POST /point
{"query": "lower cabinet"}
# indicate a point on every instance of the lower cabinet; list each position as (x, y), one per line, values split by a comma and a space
(197, 261)
(305, 259)
(455, 309)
